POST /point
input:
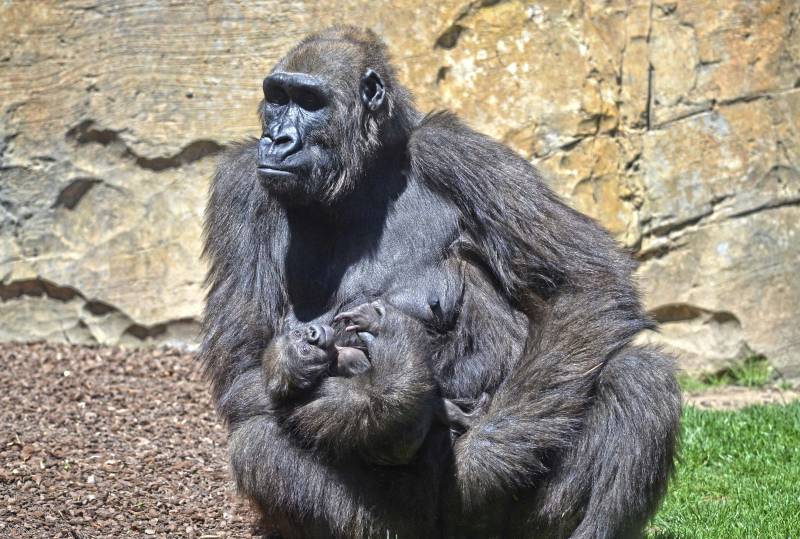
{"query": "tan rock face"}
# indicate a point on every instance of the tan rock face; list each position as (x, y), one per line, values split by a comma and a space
(677, 125)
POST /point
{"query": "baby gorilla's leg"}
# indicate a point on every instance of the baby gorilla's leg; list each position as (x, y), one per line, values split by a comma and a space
(395, 346)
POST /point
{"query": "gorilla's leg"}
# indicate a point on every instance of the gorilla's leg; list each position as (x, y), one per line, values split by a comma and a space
(302, 495)
(616, 474)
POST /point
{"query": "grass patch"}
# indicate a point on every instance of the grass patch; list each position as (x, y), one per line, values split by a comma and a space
(754, 371)
(738, 476)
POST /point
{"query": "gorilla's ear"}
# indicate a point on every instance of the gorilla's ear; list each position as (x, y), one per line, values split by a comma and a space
(372, 90)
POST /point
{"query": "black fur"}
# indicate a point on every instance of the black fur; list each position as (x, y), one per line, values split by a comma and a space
(522, 298)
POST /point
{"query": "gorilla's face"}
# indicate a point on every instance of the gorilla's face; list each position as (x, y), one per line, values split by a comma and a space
(319, 119)
(294, 154)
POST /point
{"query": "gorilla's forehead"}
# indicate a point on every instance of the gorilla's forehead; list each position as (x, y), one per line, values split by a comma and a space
(329, 59)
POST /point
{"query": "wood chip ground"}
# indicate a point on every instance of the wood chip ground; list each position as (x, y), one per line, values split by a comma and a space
(103, 442)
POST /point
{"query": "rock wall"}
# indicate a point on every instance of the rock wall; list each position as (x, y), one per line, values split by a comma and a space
(676, 124)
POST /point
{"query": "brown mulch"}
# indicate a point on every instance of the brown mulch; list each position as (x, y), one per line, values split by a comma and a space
(104, 442)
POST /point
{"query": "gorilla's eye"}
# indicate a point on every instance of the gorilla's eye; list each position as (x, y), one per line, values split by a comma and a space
(276, 95)
(308, 100)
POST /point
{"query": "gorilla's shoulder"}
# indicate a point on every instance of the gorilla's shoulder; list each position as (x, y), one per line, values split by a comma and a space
(235, 196)
(439, 119)
(436, 129)
(449, 155)
(443, 140)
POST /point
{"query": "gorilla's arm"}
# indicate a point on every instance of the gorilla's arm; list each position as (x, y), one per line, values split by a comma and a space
(558, 267)
(243, 304)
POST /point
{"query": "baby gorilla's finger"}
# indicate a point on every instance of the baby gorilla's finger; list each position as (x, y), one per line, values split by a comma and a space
(364, 317)
(354, 319)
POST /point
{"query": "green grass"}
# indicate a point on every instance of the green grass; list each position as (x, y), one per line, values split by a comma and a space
(754, 371)
(738, 476)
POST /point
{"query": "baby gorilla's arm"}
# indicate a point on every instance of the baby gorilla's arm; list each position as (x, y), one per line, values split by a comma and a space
(364, 319)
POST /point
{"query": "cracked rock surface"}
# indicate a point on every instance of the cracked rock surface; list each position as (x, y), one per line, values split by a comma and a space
(676, 124)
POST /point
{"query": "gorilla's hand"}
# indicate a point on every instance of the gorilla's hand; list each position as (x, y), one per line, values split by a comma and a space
(364, 319)
(295, 362)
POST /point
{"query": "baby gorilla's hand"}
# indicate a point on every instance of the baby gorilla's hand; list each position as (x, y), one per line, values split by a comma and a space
(364, 319)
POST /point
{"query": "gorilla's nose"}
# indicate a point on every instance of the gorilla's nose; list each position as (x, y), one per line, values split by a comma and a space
(320, 335)
(281, 143)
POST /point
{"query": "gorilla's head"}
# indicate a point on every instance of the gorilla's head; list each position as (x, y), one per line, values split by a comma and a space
(331, 105)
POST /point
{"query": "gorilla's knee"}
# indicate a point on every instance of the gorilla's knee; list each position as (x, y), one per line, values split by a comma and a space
(618, 470)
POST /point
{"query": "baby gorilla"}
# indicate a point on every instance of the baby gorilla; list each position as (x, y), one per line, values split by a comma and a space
(378, 320)
(369, 342)
(371, 320)
(371, 330)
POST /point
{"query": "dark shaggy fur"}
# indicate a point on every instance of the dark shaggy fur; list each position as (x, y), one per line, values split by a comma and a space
(522, 298)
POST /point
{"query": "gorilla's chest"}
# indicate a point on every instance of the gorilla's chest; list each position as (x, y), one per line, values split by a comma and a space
(402, 259)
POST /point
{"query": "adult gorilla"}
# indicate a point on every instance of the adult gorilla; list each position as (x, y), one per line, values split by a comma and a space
(351, 196)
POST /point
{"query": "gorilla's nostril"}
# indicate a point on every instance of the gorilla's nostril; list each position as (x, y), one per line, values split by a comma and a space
(282, 139)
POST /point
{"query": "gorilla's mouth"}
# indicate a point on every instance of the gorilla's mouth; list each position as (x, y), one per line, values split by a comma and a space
(274, 173)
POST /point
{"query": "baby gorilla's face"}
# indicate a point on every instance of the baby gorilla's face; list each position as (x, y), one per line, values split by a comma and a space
(315, 341)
